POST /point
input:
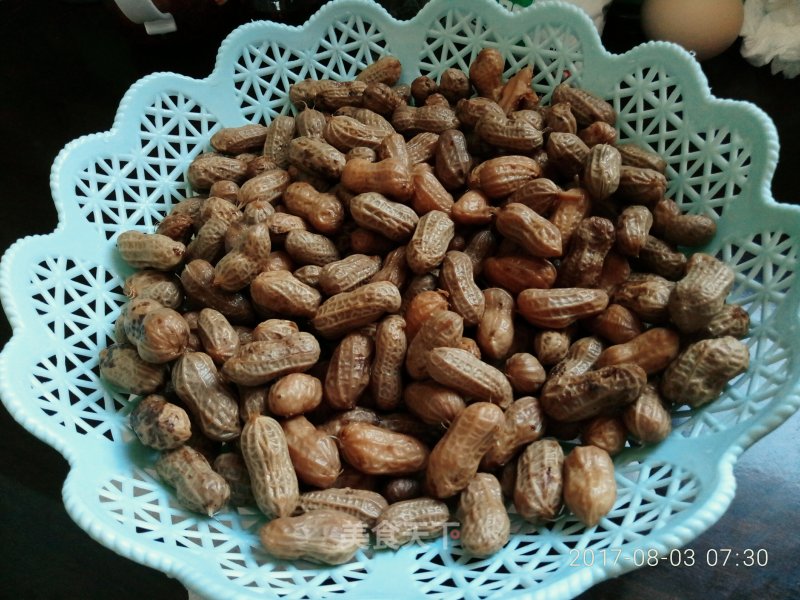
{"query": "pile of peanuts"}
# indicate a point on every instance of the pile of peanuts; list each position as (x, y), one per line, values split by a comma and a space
(395, 308)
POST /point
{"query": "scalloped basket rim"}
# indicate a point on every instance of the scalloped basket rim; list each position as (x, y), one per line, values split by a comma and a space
(114, 537)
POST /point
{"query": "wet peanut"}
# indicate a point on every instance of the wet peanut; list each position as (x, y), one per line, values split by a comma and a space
(652, 350)
(309, 248)
(365, 505)
(701, 293)
(607, 433)
(160, 424)
(452, 159)
(589, 486)
(428, 244)
(316, 156)
(632, 229)
(322, 536)
(519, 273)
(441, 329)
(495, 333)
(150, 250)
(386, 377)
(200, 387)
(407, 520)
(348, 273)
(647, 295)
(502, 176)
(454, 460)
(463, 372)
(196, 280)
(378, 451)
(257, 363)
(583, 264)
(349, 371)
(699, 373)
(350, 310)
(429, 193)
(209, 168)
(220, 340)
(616, 324)
(539, 481)
(272, 476)
(485, 525)
(575, 397)
(465, 297)
(280, 292)
(559, 308)
(232, 468)
(647, 419)
(525, 373)
(294, 394)
(377, 213)
(675, 227)
(390, 177)
(524, 423)
(324, 212)
(197, 486)
(314, 454)
(551, 345)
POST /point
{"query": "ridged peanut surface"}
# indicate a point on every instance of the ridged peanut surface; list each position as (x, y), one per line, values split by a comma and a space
(455, 458)
(323, 536)
(197, 486)
(273, 479)
(485, 525)
(469, 375)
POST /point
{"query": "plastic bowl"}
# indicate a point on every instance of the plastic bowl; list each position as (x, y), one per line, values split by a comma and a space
(62, 293)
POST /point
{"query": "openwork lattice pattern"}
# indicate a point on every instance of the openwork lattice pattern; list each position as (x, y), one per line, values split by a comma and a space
(137, 189)
(707, 168)
(265, 71)
(77, 302)
(62, 294)
(456, 38)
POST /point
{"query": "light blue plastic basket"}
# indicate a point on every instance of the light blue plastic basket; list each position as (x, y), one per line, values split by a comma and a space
(62, 293)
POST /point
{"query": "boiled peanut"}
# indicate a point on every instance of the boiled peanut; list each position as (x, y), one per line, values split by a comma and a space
(272, 477)
(605, 432)
(294, 394)
(454, 460)
(232, 468)
(378, 451)
(495, 333)
(350, 310)
(485, 525)
(407, 520)
(198, 487)
(699, 373)
(525, 373)
(314, 454)
(365, 505)
(539, 481)
(160, 424)
(589, 486)
(323, 536)
(386, 377)
(701, 293)
(647, 419)
(257, 363)
(465, 297)
(349, 371)
(524, 423)
(202, 390)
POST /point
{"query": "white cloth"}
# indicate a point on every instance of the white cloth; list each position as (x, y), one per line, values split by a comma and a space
(771, 34)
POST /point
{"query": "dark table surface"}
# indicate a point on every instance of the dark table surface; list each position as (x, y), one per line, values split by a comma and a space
(64, 67)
